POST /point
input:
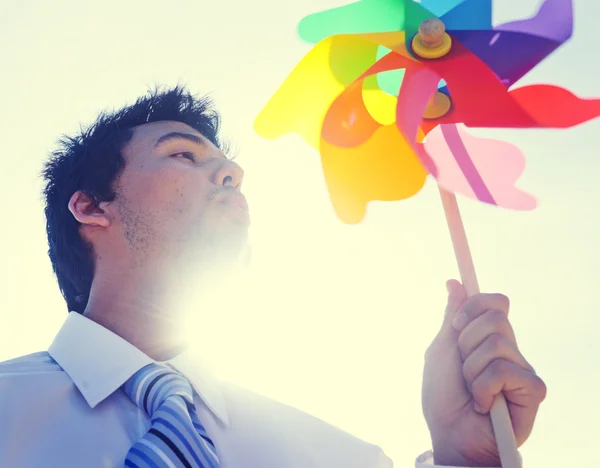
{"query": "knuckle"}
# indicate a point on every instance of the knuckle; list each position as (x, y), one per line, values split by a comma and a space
(462, 342)
(493, 372)
(499, 367)
(466, 307)
(467, 371)
(540, 387)
(503, 301)
(480, 386)
(497, 317)
(496, 344)
(500, 324)
(474, 305)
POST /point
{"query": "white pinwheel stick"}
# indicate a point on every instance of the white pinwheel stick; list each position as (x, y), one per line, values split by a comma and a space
(503, 430)
(430, 43)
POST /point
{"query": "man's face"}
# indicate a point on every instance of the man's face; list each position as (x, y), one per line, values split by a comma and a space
(179, 197)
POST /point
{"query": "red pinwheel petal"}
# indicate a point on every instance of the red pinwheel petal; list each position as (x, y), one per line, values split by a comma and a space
(479, 98)
(555, 107)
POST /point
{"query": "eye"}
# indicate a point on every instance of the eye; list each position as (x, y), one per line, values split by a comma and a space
(186, 155)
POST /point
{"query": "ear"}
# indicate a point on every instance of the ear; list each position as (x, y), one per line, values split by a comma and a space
(84, 211)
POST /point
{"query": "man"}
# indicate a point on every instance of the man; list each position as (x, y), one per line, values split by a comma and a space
(144, 211)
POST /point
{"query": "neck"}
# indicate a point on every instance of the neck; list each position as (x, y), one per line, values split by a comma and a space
(153, 307)
(139, 311)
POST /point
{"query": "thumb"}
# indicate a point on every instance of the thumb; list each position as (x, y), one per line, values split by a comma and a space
(447, 336)
(443, 381)
(457, 295)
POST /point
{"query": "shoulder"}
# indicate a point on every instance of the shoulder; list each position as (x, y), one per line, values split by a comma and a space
(35, 363)
(252, 405)
(24, 376)
(283, 422)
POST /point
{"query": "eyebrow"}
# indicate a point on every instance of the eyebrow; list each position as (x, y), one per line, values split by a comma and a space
(172, 136)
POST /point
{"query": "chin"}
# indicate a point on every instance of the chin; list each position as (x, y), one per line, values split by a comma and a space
(226, 238)
(236, 215)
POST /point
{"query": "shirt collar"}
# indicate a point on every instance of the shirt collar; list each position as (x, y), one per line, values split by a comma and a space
(99, 362)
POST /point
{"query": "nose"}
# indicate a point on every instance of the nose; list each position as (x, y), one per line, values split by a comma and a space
(229, 174)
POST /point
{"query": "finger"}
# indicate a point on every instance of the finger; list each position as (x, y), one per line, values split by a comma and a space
(521, 387)
(477, 305)
(492, 322)
(493, 347)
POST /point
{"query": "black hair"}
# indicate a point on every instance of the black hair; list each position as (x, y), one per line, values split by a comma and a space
(91, 161)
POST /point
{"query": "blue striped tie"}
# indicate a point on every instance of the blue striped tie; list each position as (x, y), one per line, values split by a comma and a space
(176, 437)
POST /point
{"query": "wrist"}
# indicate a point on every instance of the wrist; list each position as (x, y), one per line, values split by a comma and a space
(451, 456)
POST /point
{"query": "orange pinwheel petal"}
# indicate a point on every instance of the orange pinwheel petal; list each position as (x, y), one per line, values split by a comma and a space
(383, 168)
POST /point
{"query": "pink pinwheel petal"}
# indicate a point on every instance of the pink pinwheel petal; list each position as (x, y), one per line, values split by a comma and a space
(480, 168)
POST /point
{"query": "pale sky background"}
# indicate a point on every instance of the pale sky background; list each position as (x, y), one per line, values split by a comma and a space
(335, 319)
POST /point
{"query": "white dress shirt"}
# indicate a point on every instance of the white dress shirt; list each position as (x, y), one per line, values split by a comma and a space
(65, 408)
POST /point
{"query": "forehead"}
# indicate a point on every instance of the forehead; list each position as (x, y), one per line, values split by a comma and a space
(145, 136)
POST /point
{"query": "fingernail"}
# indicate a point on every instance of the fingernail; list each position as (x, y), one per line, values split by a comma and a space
(460, 321)
(477, 407)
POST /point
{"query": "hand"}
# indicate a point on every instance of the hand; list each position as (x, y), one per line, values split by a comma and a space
(473, 358)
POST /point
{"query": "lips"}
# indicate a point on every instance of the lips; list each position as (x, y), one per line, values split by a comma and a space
(239, 200)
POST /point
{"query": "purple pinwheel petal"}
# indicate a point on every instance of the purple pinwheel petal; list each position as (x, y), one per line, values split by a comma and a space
(510, 55)
(554, 21)
(513, 49)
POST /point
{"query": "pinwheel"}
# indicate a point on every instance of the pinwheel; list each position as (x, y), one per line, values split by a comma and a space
(386, 93)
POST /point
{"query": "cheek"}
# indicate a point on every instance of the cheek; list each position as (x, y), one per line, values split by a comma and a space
(180, 201)
(163, 188)
(171, 192)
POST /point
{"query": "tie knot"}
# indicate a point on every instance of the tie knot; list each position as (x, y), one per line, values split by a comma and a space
(153, 384)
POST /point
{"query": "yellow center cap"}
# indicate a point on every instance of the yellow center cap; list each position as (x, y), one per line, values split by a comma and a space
(439, 106)
(432, 42)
